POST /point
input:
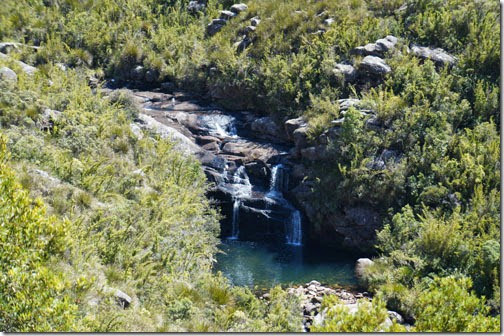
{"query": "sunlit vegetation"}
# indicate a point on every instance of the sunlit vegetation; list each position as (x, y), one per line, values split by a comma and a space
(88, 207)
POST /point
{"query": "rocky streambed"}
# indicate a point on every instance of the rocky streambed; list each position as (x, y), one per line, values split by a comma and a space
(313, 293)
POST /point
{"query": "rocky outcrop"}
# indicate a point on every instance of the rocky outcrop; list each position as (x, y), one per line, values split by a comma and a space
(182, 143)
(374, 66)
(438, 55)
(379, 48)
(27, 69)
(345, 71)
(225, 15)
(7, 75)
(312, 295)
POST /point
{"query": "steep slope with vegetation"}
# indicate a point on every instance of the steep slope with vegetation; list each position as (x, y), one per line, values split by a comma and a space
(128, 212)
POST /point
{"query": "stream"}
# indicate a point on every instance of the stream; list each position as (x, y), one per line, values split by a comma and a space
(262, 240)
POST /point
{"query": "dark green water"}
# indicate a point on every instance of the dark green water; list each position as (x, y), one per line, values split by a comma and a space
(256, 264)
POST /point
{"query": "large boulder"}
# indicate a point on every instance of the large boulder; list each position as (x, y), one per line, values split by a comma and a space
(438, 55)
(7, 74)
(238, 8)
(360, 269)
(374, 65)
(293, 124)
(227, 15)
(345, 71)
(266, 126)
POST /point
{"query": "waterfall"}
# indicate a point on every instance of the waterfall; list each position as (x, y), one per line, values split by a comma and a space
(276, 181)
(295, 234)
(234, 225)
(241, 188)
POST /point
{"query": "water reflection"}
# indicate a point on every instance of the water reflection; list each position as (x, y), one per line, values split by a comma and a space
(256, 264)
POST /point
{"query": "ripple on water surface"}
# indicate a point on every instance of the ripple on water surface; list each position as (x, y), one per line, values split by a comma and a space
(263, 265)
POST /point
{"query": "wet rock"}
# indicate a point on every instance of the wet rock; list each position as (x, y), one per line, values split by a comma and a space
(374, 66)
(238, 8)
(345, 71)
(438, 55)
(258, 172)
(215, 26)
(7, 74)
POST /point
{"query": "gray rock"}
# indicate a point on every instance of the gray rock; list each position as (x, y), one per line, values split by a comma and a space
(123, 299)
(27, 69)
(195, 6)
(215, 26)
(135, 129)
(300, 136)
(360, 269)
(227, 15)
(395, 316)
(7, 47)
(249, 29)
(346, 71)
(238, 8)
(438, 56)
(7, 74)
(293, 124)
(374, 65)
(266, 125)
(243, 44)
(182, 143)
(255, 21)
(328, 21)
(346, 103)
(314, 153)
(370, 49)
(137, 73)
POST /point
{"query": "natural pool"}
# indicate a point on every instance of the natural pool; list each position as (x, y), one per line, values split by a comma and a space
(265, 265)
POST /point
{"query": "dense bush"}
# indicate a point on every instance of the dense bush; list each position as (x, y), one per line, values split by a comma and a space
(441, 207)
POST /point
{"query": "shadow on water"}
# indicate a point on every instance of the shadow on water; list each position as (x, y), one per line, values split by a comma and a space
(264, 265)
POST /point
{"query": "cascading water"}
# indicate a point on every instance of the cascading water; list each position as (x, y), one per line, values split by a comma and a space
(235, 227)
(242, 188)
(294, 233)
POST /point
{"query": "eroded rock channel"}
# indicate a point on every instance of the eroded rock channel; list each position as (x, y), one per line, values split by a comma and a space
(249, 168)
